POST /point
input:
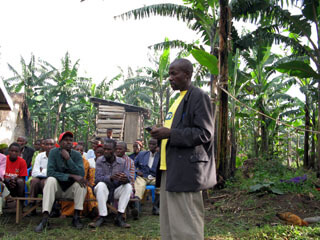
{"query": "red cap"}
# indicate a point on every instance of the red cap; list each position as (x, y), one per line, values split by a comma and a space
(74, 144)
(57, 145)
(63, 134)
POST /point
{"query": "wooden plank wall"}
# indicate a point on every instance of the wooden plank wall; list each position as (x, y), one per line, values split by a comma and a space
(111, 117)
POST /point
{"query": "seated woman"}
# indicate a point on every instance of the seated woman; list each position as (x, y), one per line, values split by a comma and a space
(89, 207)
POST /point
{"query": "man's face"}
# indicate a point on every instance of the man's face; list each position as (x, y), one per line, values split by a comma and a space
(37, 145)
(99, 152)
(136, 148)
(14, 152)
(48, 145)
(120, 150)
(66, 143)
(153, 145)
(178, 79)
(42, 144)
(79, 148)
(22, 142)
(109, 133)
(108, 150)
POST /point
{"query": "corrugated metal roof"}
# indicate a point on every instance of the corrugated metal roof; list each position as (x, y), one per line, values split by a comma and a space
(5, 99)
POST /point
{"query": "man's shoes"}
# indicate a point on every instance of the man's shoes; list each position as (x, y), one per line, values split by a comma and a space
(119, 221)
(136, 210)
(97, 223)
(77, 223)
(135, 213)
(156, 204)
(155, 210)
(43, 224)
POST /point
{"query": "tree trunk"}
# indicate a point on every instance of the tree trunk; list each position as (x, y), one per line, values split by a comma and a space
(57, 121)
(223, 97)
(297, 151)
(306, 135)
(255, 142)
(313, 143)
(318, 135)
(289, 159)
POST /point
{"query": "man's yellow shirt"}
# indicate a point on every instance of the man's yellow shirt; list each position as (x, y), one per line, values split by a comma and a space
(167, 124)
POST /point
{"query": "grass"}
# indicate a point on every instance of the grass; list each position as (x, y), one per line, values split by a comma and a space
(231, 213)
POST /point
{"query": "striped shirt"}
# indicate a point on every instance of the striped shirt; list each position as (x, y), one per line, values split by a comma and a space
(131, 169)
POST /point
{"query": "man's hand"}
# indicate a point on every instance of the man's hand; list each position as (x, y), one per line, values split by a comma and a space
(160, 133)
(65, 155)
(121, 177)
(79, 179)
(140, 174)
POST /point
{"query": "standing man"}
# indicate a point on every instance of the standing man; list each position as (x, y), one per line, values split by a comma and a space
(187, 163)
(65, 180)
(26, 152)
(109, 134)
(112, 182)
(146, 164)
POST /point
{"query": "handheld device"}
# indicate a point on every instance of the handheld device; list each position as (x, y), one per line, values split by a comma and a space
(148, 129)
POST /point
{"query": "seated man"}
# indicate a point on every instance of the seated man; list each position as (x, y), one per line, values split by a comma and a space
(65, 180)
(39, 170)
(112, 182)
(89, 207)
(121, 149)
(26, 152)
(16, 171)
(146, 165)
(137, 147)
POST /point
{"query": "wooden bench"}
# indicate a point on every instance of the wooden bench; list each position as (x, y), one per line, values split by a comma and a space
(19, 206)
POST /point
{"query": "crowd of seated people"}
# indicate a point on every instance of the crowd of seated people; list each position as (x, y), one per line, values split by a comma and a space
(83, 182)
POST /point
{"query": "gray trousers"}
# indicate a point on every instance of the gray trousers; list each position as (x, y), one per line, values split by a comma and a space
(181, 214)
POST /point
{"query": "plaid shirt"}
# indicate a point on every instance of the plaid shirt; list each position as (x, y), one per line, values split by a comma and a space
(104, 170)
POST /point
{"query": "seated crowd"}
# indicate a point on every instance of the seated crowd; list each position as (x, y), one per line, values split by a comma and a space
(83, 182)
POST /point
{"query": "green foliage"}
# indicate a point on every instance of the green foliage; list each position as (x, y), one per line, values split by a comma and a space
(58, 98)
(207, 60)
(265, 187)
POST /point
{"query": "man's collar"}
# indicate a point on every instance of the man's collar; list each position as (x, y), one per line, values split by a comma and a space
(117, 160)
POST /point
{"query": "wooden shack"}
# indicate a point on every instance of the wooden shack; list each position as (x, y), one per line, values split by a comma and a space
(125, 120)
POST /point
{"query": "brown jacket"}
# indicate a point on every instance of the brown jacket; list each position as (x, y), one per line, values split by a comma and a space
(189, 151)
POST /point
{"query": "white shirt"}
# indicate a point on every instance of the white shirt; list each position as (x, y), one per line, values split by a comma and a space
(92, 163)
(151, 159)
(41, 161)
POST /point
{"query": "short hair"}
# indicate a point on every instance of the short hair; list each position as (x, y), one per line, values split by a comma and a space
(23, 137)
(15, 144)
(44, 140)
(111, 141)
(122, 143)
(184, 64)
(109, 129)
